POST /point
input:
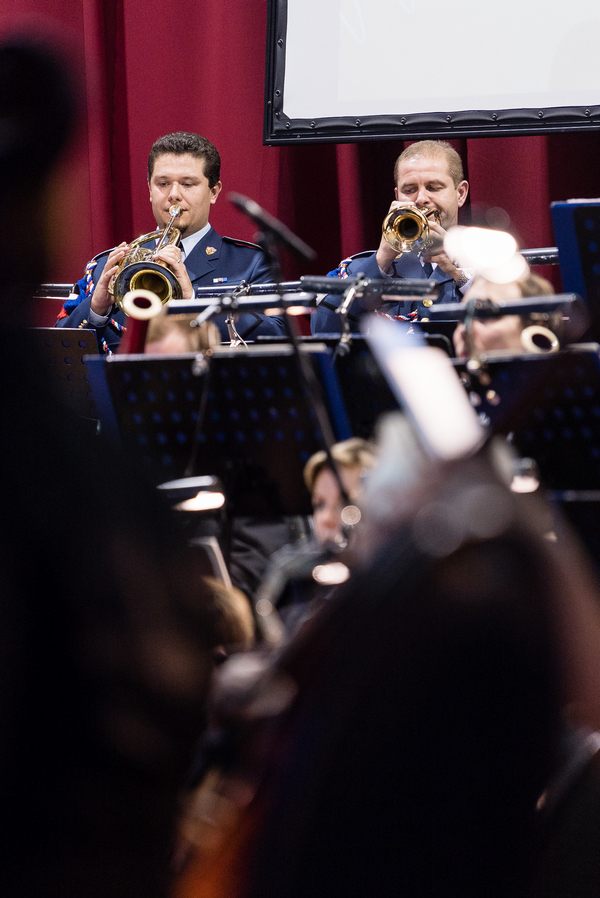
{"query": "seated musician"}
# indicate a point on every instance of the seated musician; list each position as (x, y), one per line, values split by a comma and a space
(429, 175)
(174, 335)
(505, 333)
(183, 169)
(353, 457)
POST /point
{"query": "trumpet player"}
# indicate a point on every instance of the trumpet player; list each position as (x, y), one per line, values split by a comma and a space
(183, 170)
(429, 175)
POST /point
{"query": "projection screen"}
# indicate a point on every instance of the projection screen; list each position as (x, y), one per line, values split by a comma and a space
(344, 70)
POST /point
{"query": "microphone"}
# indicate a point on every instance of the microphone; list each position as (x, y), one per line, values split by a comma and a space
(273, 227)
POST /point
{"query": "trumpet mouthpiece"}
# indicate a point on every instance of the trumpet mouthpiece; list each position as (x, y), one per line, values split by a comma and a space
(175, 210)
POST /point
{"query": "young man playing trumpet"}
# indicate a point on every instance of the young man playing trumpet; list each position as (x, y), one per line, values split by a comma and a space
(429, 175)
(184, 170)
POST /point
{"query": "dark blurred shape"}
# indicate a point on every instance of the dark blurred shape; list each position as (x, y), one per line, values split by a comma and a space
(570, 853)
(436, 733)
(494, 217)
(104, 650)
(424, 725)
(38, 105)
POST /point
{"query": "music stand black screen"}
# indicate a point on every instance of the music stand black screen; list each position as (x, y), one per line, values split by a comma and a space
(61, 353)
(551, 406)
(156, 402)
(246, 420)
(364, 390)
(577, 230)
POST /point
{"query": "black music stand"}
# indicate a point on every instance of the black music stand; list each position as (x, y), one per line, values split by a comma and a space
(577, 229)
(551, 406)
(245, 418)
(364, 390)
(61, 353)
(433, 330)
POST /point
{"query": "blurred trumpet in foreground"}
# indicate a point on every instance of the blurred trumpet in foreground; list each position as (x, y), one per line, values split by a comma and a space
(141, 306)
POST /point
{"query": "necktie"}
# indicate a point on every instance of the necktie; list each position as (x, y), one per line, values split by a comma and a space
(428, 269)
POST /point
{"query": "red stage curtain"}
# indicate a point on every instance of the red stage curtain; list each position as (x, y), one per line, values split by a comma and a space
(145, 69)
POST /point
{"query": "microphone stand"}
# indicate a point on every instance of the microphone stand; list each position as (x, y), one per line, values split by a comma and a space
(274, 233)
(376, 291)
(343, 346)
(234, 337)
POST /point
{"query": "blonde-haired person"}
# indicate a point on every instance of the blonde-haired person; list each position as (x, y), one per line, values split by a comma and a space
(352, 457)
(289, 583)
(174, 335)
(504, 333)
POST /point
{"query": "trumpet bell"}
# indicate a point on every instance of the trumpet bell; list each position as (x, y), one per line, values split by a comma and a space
(406, 228)
(142, 305)
(539, 339)
(145, 275)
(137, 270)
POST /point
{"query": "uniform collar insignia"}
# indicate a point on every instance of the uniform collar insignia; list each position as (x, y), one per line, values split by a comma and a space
(210, 250)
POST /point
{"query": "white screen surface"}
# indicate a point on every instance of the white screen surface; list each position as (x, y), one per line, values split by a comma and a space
(395, 57)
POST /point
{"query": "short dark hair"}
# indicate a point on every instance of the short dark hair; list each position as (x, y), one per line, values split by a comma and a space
(182, 143)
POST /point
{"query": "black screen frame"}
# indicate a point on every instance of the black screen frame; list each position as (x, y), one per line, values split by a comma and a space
(280, 130)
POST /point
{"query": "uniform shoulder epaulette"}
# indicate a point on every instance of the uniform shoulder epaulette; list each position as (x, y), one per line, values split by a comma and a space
(237, 242)
(342, 270)
(83, 288)
(363, 255)
(105, 252)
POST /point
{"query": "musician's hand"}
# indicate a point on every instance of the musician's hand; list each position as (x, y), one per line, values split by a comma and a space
(102, 301)
(434, 252)
(386, 254)
(171, 254)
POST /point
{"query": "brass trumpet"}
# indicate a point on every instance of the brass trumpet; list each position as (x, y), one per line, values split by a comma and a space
(539, 339)
(406, 228)
(137, 270)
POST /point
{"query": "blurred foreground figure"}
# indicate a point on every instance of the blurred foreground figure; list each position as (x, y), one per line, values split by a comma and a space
(174, 335)
(106, 626)
(399, 745)
(509, 332)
